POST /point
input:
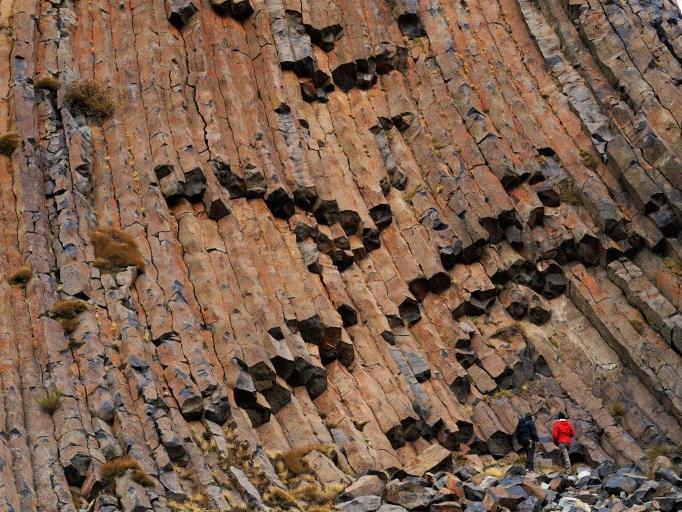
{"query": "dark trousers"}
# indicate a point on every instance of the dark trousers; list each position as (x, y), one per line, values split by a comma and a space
(529, 446)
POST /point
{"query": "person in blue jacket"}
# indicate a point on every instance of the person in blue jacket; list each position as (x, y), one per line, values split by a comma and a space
(527, 436)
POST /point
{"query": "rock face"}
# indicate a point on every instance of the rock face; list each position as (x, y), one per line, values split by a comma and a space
(379, 230)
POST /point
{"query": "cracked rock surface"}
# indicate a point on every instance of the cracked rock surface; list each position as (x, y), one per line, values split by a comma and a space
(373, 233)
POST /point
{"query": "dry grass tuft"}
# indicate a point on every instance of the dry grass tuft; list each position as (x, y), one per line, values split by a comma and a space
(315, 494)
(196, 503)
(588, 160)
(91, 97)
(67, 312)
(618, 411)
(516, 328)
(49, 83)
(302, 490)
(409, 194)
(568, 194)
(673, 265)
(115, 249)
(51, 401)
(494, 471)
(665, 450)
(118, 466)
(500, 393)
(141, 478)
(8, 143)
(278, 497)
(21, 276)
(69, 308)
(293, 459)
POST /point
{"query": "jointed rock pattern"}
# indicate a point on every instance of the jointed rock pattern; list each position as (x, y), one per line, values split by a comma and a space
(385, 227)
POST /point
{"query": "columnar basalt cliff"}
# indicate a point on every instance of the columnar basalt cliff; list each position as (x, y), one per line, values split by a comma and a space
(255, 249)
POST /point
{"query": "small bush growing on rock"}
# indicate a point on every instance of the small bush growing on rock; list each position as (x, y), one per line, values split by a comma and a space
(315, 494)
(21, 276)
(115, 249)
(516, 328)
(588, 160)
(76, 498)
(409, 194)
(494, 471)
(278, 497)
(48, 83)
(673, 266)
(293, 459)
(8, 143)
(618, 411)
(141, 478)
(67, 312)
(91, 97)
(665, 450)
(118, 466)
(302, 489)
(196, 503)
(69, 308)
(569, 194)
(500, 393)
(51, 401)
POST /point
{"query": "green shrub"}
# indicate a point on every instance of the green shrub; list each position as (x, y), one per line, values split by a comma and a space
(51, 401)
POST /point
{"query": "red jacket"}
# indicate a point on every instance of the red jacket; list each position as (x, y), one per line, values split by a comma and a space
(562, 432)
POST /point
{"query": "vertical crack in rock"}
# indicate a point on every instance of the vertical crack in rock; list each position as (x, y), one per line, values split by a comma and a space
(368, 236)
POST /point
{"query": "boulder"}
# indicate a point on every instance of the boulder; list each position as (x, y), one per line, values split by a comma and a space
(433, 458)
(326, 471)
(508, 496)
(411, 494)
(179, 12)
(360, 504)
(617, 484)
(367, 485)
(568, 503)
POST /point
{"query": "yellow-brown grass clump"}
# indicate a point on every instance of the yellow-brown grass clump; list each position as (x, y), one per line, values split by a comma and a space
(115, 249)
(665, 450)
(67, 312)
(21, 276)
(618, 411)
(48, 83)
(196, 503)
(8, 143)
(91, 97)
(293, 459)
(51, 401)
(118, 466)
(302, 491)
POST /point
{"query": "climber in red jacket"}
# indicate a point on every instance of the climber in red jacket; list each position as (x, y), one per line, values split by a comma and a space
(562, 434)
